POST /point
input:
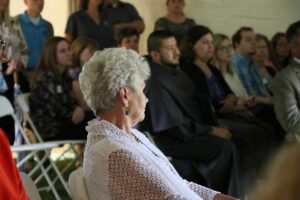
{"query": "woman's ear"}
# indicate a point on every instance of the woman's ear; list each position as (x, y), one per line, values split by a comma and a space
(123, 96)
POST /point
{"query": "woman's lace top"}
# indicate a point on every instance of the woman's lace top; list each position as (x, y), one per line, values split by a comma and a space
(119, 166)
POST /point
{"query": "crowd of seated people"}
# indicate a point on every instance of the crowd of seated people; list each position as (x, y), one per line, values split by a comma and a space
(211, 98)
(251, 137)
(116, 152)
(176, 117)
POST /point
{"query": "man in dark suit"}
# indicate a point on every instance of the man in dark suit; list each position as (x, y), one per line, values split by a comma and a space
(286, 86)
(182, 122)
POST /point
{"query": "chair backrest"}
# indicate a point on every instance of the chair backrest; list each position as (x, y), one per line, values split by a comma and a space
(6, 109)
(23, 102)
(30, 187)
(77, 185)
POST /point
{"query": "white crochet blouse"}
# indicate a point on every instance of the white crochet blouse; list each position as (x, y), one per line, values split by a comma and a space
(116, 166)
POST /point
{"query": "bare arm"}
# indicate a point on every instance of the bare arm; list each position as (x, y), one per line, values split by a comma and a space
(69, 38)
(78, 95)
(139, 25)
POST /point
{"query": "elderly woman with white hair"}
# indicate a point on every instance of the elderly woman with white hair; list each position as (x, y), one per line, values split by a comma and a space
(119, 161)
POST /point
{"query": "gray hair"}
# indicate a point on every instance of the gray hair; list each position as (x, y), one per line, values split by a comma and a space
(107, 72)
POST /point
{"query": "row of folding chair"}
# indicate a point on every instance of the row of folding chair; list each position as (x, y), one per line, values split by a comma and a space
(32, 151)
(6, 109)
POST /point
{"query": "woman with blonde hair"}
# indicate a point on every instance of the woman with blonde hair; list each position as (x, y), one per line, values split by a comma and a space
(222, 60)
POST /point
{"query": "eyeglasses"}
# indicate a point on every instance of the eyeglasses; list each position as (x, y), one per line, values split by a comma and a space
(225, 49)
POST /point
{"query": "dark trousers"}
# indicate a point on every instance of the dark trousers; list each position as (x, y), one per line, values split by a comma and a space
(213, 157)
(71, 131)
(266, 114)
(253, 143)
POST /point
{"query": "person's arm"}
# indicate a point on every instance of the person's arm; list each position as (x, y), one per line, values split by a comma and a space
(207, 193)
(69, 38)
(50, 30)
(71, 29)
(78, 95)
(268, 100)
(241, 71)
(221, 132)
(139, 25)
(135, 21)
(133, 177)
(229, 103)
(286, 103)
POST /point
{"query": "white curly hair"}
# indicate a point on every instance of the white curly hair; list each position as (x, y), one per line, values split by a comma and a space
(107, 72)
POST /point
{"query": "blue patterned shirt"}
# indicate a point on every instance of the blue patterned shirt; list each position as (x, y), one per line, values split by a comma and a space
(249, 75)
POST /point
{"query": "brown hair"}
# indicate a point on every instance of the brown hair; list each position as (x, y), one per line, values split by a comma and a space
(79, 45)
(126, 33)
(274, 43)
(218, 39)
(237, 36)
(193, 35)
(259, 37)
(47, 59)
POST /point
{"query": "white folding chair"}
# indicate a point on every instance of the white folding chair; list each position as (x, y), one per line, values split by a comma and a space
(23, 103)
(6, 109)
(30, 188)
(77, 185)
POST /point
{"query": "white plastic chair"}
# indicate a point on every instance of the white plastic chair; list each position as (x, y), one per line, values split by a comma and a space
(30, 188)
(6, 109)
(77, 185)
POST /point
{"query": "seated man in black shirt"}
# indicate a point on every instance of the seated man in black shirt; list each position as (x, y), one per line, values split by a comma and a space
(182, 122)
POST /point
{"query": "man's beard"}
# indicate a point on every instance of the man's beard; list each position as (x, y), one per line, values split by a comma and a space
(167, 63)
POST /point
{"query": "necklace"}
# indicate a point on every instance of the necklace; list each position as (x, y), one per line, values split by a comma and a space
(167, 163)
(139, 141)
